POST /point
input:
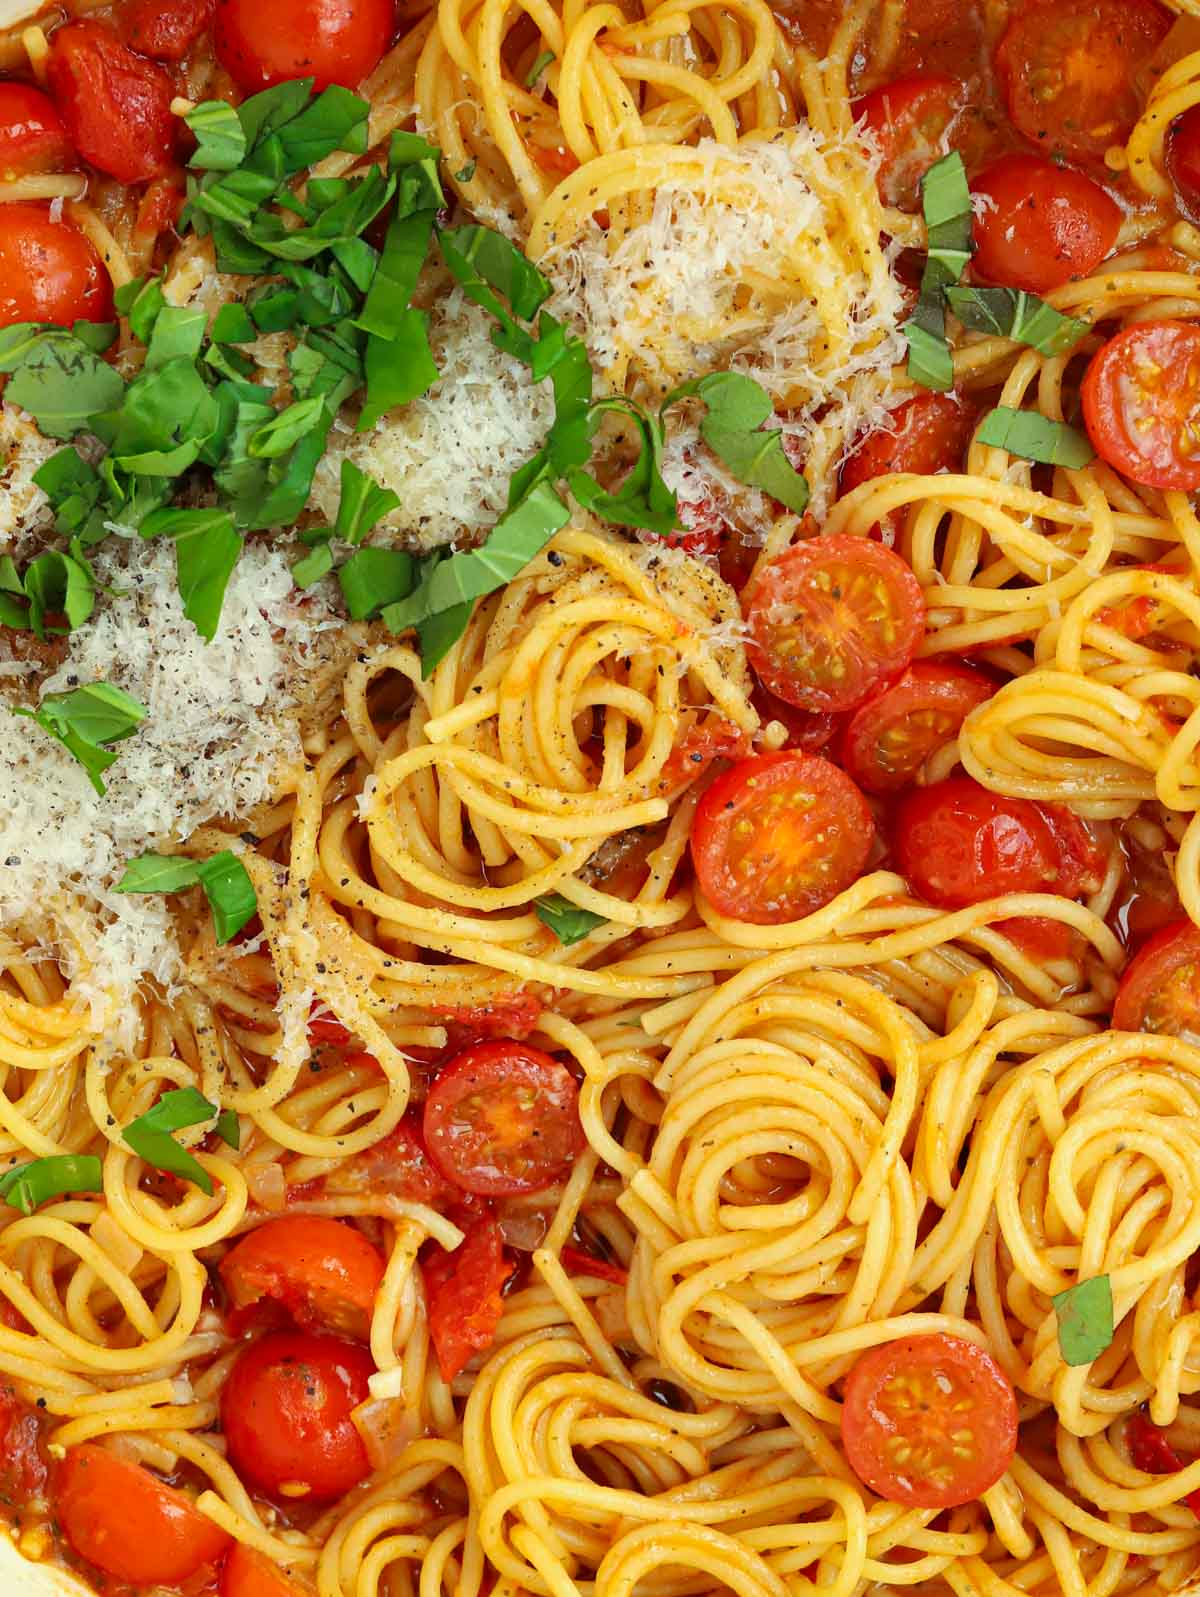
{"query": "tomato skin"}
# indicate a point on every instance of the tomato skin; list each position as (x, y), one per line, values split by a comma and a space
(285, 1410)
(927, 434)
(32, 135)
(1150, 1452)
(49, 271)
(1181, 157)
(23, 1470)
(325, 1027)
(503, 1118)
(1045, 225)
(247, 1573)
(831, 619)
(908, 119)
(464, 1292)
(777, 836)
(264, 42)
(323, 1272)
(958, 843)
(130, 1524)
(1068, 69)
(116, 105)
(508, 1015)
(891, 736)
(902, 1401)
(1160, 988)
(165, 30)
(810, 731)
(575, 1261)
(1141, 396)
(699, 747)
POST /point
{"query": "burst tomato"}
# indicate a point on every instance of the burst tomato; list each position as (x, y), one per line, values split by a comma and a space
(464, 1290)
(115, 103)
(893, 734)
(322, 1271)
(264, 42)
(927, 434)
(1160, 990)
(49, 271)
(32, 135)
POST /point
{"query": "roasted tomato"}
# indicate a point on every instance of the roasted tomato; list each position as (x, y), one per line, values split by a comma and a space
(32, 135)
(925, 435)
(1181, 157)
(115, 103)
(465, 1295)
(1160, 990)
(247, 1573)
(909, 120)
(323, 1272)
(264, 42)
(165, 30)
(893, 734)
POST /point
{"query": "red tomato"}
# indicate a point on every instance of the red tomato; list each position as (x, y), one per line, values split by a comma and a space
(158, 212)
(907, 1407)
(831, 620)
(553, 158)
(509, 1015)
(1160, 990)
(1043, 938)
(909, 120)
(893, 734)
(808, 730)
(503, 1118)
(22, 1465)
(32, 135)
(1069, 70)
(1141, 404)
(464, 1292)
(129, 1523)
(325, 1027)
(778, 836)
(1181, 157)
(1150, 1451)
(699, 747)
(165, 29)
(576, 1262)
(264, 42)
(285, 1410)
(1044, 225)
(924, 435)
(249, 1574)
(49, 271)
(323, 1272)
(1081, 860)
(399, 1164)
(116, 105)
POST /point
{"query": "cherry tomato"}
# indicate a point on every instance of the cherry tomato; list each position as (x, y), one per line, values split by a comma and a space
(49, 271)
(399, 1163)
(553, 158)
(924, 435)
(264, 42)
(778, 836)
(1044, 223)
(32, 135)
(165, 30)
(116, 105)
(1141, 404)
(464, 1290)
(909, 120)
(893, 734)
(503, 1118)
(158, 212)
(248, 1573)
(929, 1421)
(807, 730)
(699, 747)
(1044, 939)
(129, 1523)
(1181, 157)
(508, 1015)
(323, 1272)
(1081, 860)
(285, 1410)
(832, 619)
(1160, 990)
(1150, 1452)
(22, 1463)
(325, 1027)
(576, 1262)
(1069, 70)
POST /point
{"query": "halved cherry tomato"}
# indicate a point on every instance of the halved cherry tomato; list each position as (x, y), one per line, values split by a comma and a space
(1044, 939)
(1141, 404)
(1043, 223)
(807, 730)
(958, 843)
(929, 1421)
(32, 135)
(1160, 990)
(778, 836)
(49, 271)
(831, 620)
(909, 120)
(1069, 70)
(264, 42)
(248, 1573)
(503, 1118)
(129, 1523)
(165, 30)
(464, 1290)
(1138, 617)
(285, 1409)
(893, 734)
(324, 1272)
(1150, 1451)
(22, 1461)
(924, 435)
(116, 105)
(1081, 860)
(1181, 157)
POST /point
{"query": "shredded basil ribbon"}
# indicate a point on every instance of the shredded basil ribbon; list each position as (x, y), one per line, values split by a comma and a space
(946, 205)
(223, 877)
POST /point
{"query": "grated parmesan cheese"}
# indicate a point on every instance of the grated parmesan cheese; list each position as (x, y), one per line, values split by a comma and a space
(24, 509)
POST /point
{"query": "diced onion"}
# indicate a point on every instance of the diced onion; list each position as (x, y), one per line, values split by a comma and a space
(387, 1425)
(267, 1186)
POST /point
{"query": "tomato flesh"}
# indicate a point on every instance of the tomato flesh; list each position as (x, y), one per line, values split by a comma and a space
(1043, 224)
(1160, 989)
(777, 836)
(503, 1118)
(464, 1289)
(929, 1421)
(1141, 404)
(893, 734)
(23, 1470)
(247, 1573)
(264, 42)
(322, 1271)
(1150, 1452)
(927, 434)
(909, 120)
(831, 619)
(285, 1410)
(115, 103)
(32, 135)
(130, 1524)
(49, 271)
(1181, 157)
(958, 843)
(165, 30)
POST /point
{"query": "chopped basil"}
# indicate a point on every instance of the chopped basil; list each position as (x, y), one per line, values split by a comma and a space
(1035, 437)
(363, 502)
(206, 550)
(86, 721)
(58, 584)
(223, 877)
(58, 376)
(1085, 1319)
(374, 578)
(736, 408)
(232, 325)
(317, 563)
(220, 137)
(1011, 313)
(643, 498)
(229, 1129)
(567, 921)
(27, 1186)
(538, 67)
(150, 1134)
(946, 205)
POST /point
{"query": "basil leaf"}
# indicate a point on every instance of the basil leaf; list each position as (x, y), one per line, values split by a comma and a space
(404, 250)
(732, 428)
(57, 378)
(263, 113)
(1085, 1319)
(930, 361)
(220, 137)
(286, 429)
(643, 499)
(313, 566)
(150, 1135)
(224, 878)
(946, 205)
(399, 368)
(229, 1129)
(1011, 313)
(57, 583)
(438, 634)
(178, 335)
(567, 921)
(335, 120)
(538, 67)
(27, 1186)
(373, 578)
(159, 873)
(363, 502)
(498, 262)
(85, 720)
(1035, 437)
(141, 301)
(232, 325)
(206, 550)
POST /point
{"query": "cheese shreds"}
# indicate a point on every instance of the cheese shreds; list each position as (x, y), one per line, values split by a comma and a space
(24, 509)
(220, 730)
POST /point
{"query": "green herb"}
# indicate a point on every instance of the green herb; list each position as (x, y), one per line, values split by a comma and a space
(86, 721)
(399, 368)
(150, 1134)
(643, 498)
(374, 578)
(223, 877)
(538, 67)
(232, 325)
(737, 407)
(437, 634)
(58, 584)
(229, 1129)
(27, 1186)
(220, 138)
(58, 376)
(206, 551)
(317, 563)
(465, 173)
(567, 921)
(946, 205)
(1011, 313)
(1085, 1319)
(363, 502)
(141, 301)
(1035, 437)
